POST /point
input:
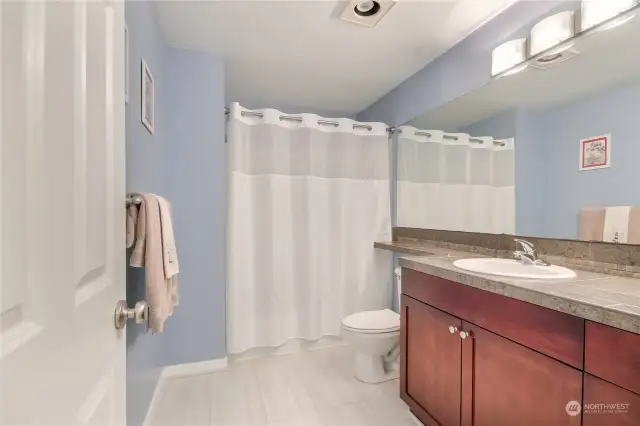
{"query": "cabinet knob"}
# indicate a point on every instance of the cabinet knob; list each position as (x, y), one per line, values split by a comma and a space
(452, 329)
(464, 334)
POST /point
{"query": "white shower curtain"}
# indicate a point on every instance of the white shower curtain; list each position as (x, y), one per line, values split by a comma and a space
(307, 200)
(455, 182)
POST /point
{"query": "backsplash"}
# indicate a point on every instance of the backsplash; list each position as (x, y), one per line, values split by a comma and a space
(608, 258)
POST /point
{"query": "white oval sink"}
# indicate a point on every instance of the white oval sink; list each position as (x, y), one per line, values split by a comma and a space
(514, 268)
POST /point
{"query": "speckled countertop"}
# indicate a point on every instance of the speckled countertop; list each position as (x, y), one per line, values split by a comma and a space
(607, 299)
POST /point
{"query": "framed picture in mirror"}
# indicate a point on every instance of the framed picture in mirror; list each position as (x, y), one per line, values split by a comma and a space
(595, 153)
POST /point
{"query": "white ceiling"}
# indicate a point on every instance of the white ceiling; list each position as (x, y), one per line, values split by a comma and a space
(608, 59)
(299, 56)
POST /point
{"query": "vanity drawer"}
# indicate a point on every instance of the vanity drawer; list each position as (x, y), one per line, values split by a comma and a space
(613, 355)
(553, 333)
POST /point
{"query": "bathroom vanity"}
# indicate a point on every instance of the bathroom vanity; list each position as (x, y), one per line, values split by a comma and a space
(474, 357)
(494, 340)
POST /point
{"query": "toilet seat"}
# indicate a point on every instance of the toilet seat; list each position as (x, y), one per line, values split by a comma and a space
(373, 322)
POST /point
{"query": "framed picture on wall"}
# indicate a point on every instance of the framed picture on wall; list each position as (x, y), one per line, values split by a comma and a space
(595, 152)
(148, 110)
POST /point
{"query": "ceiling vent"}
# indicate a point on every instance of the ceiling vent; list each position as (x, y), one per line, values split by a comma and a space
(548, 61)
(367, 12)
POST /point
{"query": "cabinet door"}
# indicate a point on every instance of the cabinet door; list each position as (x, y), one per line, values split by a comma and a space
(507, 384)
(606, 404)
(613, 355)
(430, 375)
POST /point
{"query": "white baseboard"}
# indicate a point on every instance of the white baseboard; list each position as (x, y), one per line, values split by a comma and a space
(155, 401)
(176, 371)
(194, 368)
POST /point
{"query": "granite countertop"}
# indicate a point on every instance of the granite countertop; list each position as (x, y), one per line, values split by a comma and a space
(606, 299)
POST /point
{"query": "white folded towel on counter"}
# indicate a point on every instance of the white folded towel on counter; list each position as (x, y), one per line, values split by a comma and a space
(616, 224)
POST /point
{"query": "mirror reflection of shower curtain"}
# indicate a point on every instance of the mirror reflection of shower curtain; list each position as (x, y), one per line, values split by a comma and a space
(306, 203)
(445, 181)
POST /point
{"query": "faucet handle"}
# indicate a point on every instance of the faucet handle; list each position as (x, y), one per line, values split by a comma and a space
(528, 253)
(518, 254)
(524, 244)
(522, 256)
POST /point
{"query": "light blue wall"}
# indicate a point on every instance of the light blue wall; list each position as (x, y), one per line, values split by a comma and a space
(184, 161)
(550, 190)
(196, 185)
(501, 126)
(462, 69)
(530, 199)
(568, 190)
(145, 168)
(531, 184)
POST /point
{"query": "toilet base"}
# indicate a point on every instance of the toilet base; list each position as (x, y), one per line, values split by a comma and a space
(374, 368)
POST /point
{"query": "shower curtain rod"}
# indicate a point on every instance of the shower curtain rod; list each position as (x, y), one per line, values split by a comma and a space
(391, 130)
(299, 120)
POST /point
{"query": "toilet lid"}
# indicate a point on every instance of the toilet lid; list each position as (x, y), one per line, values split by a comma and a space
(381, 321)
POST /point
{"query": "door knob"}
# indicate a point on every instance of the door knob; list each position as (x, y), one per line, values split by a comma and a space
(139, 313)
(464, 334)
(452, 329)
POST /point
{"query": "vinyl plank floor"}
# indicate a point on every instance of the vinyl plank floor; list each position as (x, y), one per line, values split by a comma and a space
(307, 388)
(236, 398)
(185, 401)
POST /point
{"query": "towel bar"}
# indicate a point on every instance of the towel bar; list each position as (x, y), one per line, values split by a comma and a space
(133, 199)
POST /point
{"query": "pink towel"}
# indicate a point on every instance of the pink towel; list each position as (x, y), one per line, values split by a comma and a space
(144, 233)
(591, 224)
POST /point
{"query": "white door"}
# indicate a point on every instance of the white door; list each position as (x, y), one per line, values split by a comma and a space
(62, 236)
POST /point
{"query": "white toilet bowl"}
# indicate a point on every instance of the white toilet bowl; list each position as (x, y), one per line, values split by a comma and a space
(374, 337)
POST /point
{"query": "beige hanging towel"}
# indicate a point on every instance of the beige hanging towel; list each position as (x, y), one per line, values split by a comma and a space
(169, 252)
(144, 233)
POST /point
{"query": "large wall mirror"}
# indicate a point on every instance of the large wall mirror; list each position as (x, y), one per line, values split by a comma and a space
(550, 151)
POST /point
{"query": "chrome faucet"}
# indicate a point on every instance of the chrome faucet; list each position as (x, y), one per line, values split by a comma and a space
(528, 254)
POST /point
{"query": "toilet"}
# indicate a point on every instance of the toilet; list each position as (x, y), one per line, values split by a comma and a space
(374, 337)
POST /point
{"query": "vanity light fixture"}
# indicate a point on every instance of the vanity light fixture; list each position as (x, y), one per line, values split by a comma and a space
(550, 37)
(555, 30)
(507, 55)
(594, 12)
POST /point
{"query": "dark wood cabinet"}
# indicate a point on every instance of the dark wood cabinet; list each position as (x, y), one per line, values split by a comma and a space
(553, 333)
(431, 351)
(606, 404)
(515, 363)
(613, 355)
(514, 385)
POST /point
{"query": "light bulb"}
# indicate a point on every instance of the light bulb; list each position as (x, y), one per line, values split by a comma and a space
(507, 55)
(551, 31)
